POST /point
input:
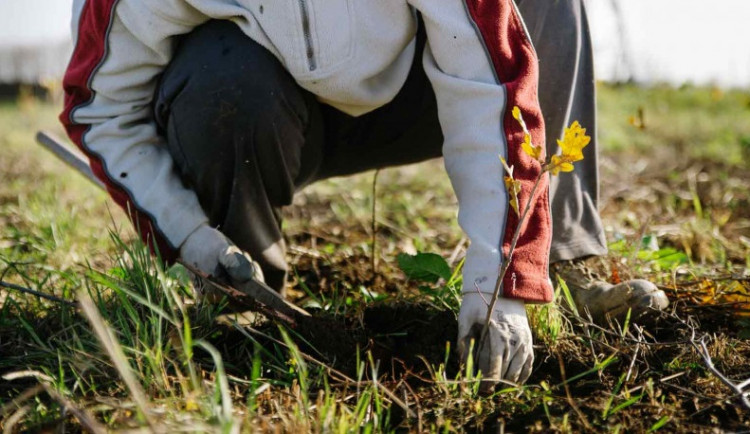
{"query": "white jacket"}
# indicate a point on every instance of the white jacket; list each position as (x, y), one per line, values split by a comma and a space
(352, 54)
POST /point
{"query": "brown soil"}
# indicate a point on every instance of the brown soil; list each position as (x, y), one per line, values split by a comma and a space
(406, 339)
(401, 337)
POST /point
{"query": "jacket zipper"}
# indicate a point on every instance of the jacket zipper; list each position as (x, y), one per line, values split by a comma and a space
(308, 35)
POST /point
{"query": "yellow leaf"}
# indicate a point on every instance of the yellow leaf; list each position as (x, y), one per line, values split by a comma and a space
(559, 163)
(478, 407)
(191, 405)
(573, 142)
(513, 187)
(517, 113)
(738, 296)
(532, 151)
(509, 170)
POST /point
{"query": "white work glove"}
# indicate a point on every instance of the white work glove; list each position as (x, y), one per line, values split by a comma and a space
(507, 353)
(211, 252)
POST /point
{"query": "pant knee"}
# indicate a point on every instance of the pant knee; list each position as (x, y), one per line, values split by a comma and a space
(220, 78)
(227, 105)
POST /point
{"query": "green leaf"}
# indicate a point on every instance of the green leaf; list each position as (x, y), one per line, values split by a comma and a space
(118, 272)
(627, 403)
(568, 296)
(660, 423)
(650, 243)
(665, 258)
(620, 246)
(426, 267)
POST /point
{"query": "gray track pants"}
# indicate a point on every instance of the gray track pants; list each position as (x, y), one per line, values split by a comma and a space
(245, 137)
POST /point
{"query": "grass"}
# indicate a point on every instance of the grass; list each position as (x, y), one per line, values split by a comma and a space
(718, 131)
(140, 353)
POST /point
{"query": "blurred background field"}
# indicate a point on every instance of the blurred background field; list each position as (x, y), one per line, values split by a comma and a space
(669, 156)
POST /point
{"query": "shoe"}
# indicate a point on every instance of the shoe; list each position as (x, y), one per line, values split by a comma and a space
(604, 301)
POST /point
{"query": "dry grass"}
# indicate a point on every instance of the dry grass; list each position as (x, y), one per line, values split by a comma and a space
(376, 358)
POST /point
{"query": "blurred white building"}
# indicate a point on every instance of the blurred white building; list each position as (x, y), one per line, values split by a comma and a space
(646, 41)
(35, 40)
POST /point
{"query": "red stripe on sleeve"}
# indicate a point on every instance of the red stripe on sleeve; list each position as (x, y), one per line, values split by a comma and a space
(90, 51)
(516, 65)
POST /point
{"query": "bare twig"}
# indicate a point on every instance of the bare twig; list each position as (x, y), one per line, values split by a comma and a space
(87, 421)
(457, 251)
(632, 363)
(507, 261)
(635, 352)
(738, 389)
(417, 404)
(20, 399)
(10, 423)
(28, 373)
(700, 347)
(569, 397)
(374, 249)
(43, 295)
(587, 323)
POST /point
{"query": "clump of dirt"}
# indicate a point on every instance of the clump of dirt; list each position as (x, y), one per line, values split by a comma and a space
(411, 334)
(401, 336)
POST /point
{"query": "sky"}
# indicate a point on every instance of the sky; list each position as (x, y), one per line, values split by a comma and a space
(676, 41)
(30, 22)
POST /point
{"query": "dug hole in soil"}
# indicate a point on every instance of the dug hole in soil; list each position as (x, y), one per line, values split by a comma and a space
(402, 338)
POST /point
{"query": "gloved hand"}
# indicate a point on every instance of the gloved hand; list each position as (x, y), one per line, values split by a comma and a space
(210, 251)
(507, 352)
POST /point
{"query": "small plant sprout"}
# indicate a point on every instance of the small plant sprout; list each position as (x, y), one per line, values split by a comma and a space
(571, 150)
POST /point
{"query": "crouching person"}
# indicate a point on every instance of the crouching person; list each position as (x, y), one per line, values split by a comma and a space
(203, 118)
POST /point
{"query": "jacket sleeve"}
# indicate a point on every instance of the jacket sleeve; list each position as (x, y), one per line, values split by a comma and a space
(481, 63)
(121, 47)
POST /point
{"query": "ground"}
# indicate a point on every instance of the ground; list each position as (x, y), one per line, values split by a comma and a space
(379, 353)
